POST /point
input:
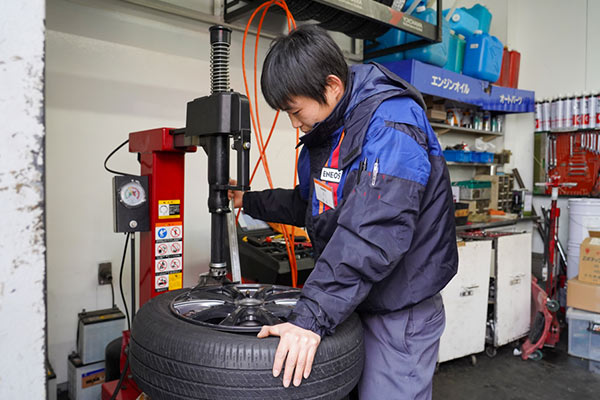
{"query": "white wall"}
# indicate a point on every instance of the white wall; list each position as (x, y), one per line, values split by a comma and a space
(558, 42)
(115, 68)
(22, 241)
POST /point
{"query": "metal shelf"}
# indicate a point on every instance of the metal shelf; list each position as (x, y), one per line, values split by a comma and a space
(368, 9)
(580, 130)
(442, 129)
(470, 164)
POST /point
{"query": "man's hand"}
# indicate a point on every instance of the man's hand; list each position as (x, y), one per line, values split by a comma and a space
(297, 347)
(236, 195)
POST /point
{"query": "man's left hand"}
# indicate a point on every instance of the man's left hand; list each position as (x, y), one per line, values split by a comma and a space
(297, 347)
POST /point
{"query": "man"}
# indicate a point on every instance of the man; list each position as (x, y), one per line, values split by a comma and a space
(375, 197)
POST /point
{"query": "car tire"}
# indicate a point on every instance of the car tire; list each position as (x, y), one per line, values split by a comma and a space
(174, 359)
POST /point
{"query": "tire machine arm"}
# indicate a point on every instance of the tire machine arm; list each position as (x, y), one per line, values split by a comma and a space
(211, 123)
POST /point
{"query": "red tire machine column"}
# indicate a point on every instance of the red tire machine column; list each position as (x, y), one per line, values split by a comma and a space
(161, 249)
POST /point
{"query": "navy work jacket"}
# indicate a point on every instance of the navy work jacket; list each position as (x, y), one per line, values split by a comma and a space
(387, 240)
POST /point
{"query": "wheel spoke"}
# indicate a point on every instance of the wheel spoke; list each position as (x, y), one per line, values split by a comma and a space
(234, 318)
(283, 295)
(211, 313)
(267, 318)
(278, 310)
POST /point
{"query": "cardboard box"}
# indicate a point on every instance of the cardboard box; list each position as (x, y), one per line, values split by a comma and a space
(583, 295)
(436, 115)
(589, 260)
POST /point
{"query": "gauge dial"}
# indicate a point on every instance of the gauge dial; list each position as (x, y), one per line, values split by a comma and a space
(132, 194)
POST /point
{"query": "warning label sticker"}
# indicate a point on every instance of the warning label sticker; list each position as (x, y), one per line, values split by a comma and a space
(168, 232)
(175, 281)
(169, 209)
(161, 266)
(175, 264)
(168, 250)
(162, 249)
(161, 282)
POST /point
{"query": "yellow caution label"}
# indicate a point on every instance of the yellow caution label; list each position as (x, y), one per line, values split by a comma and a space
(175, 281)
(169, 209)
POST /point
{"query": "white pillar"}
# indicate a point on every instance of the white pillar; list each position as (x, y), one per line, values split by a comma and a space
(22, 231)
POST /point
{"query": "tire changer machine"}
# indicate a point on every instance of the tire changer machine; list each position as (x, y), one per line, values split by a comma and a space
(153, 205)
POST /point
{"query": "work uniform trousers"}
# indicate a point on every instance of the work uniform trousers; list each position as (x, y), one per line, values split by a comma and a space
(401, 350)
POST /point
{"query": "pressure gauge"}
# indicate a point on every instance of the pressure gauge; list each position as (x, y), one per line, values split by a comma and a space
(131, 203)
(132, 194)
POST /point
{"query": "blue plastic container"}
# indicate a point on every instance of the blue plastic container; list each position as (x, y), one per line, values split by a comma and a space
(457, 155)
(393, 37)
(409, 3)
(483, 15)
(437, 53)
(456, 52)
(483, 157)
(483, 57)
(462, 22)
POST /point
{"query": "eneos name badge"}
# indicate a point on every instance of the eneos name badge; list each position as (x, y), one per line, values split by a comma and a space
(324, 194)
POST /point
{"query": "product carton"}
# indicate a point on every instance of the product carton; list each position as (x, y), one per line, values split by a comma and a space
(589, 260)
(583, 295)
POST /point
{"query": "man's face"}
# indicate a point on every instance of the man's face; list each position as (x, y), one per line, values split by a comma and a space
(305, 112)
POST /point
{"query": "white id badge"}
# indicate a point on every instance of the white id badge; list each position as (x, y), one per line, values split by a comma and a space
(324, 194)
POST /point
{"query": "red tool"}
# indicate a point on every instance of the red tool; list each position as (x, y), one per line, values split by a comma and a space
(545, 329)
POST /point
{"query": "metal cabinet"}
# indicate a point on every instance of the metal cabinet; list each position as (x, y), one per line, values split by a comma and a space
(510, 296)
(466, 300)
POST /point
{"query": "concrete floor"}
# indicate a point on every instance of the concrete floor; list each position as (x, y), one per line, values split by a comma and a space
(556, 376)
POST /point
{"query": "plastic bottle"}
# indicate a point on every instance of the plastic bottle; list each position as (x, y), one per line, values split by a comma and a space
(483, 15)
(503, 79)
(452, 52)
(546, 114)
(598, 110)
(462, 22)
(553, 113)
(437, 53)
(514, 64)
(393, 37)
(585, 110)
(538, 116)
(409, 3)
(559, 119)
(483, 57)
(568, 111)
(460, 52)
(594, 110)
(576, 115)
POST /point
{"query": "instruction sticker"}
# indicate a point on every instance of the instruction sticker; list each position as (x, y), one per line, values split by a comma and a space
(169, 209)
(175, 281)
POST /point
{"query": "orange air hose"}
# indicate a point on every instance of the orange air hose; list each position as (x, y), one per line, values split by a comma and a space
(255, 119)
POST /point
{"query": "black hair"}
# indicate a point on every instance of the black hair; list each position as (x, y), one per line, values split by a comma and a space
(298, 65)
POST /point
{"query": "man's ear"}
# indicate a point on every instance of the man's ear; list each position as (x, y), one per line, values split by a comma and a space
(335, 86)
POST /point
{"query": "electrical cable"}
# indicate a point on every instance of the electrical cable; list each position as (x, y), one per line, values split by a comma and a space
(121, 281)
(121, 378)
(110, 155)
(112, 291)
(289, 236)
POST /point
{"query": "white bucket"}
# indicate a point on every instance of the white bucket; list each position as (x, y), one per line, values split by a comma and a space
(584, 216)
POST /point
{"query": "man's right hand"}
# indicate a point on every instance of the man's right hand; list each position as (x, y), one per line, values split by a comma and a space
(236, 195)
